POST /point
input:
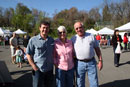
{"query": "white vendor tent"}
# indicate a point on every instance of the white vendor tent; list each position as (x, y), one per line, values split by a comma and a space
(92, 31)
(7, 31)
(106, 31)
(19, 31)
(125, 27)
(2, 31)
(122, 34)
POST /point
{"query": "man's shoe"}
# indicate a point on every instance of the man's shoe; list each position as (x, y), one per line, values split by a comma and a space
(116, 65)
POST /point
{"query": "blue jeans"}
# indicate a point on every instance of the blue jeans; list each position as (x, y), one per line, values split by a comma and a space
(91, 69)
(42, 79)
(98, 42)
(108, 42)
(125, 46)
(64, 78)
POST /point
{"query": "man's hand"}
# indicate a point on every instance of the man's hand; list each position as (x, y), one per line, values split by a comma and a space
(31, 62)
(34, 67)
(100, 64)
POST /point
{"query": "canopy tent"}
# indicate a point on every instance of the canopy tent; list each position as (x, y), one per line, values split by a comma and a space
(92, 31)
(7, 32)
(125, 27)
(2, 31)
(19, 31)
(106, 31)
(122, 34)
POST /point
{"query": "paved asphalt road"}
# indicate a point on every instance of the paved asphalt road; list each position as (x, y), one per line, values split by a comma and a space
(109, 76)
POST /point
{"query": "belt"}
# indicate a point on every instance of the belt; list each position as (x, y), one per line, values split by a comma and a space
(86, 60)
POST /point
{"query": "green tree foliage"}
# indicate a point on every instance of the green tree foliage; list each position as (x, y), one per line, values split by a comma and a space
(1, 17)
(94, 14)
(38, 16)
(28, 19)
(117, 13)
(69, 17)
(22, 18)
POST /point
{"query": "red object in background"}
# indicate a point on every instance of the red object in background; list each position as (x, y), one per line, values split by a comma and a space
(125, 40)
(98, 37)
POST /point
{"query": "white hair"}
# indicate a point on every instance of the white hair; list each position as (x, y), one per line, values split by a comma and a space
(61, 28)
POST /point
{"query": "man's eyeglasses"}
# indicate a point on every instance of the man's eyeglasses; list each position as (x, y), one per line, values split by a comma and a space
(78, 28)
(62, 32)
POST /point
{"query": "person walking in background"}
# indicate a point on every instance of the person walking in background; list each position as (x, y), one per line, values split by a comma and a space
(115, 39)
(84, 45)
(108, 40)
(98, 38)
(63, 59)
(1, 40)
(13, 45)
(125, 40)
(6, 40)
(40, 56)
(19, 55)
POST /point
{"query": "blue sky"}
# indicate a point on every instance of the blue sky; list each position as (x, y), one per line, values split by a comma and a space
(50, 6)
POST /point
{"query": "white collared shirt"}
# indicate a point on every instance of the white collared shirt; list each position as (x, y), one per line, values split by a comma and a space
(84, 46)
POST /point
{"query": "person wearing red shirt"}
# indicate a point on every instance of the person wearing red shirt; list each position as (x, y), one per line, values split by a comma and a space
(98, 38)
(125, 40)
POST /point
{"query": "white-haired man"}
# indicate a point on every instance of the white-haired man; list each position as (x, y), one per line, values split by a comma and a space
(84, 46)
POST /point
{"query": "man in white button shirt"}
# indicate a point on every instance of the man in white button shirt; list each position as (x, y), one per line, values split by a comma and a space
(85, 44)
(13, 45)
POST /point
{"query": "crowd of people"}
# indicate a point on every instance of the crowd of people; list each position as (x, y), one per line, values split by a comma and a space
(114, 40)
(107, 40)
(103, 39)
(18, 54)
(72, 58)
(4, 40)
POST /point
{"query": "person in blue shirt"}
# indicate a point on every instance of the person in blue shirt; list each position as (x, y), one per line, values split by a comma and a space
(40, 56)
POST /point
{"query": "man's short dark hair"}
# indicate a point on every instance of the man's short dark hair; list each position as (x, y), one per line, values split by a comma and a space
(44, 23)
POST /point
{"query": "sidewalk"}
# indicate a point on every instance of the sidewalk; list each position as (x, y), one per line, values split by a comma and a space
(21, 76)
(109, 76)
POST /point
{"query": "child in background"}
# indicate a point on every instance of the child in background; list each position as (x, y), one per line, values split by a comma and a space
(18, 55)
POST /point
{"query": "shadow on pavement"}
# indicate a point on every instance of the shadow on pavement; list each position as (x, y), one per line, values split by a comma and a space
(20, 72)
(1, 51)
(24, 81)
(128, 62)
(117, 83)
(125, 51)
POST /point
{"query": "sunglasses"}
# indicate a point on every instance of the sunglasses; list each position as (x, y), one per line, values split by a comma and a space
(62, 32)
(78, 28)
